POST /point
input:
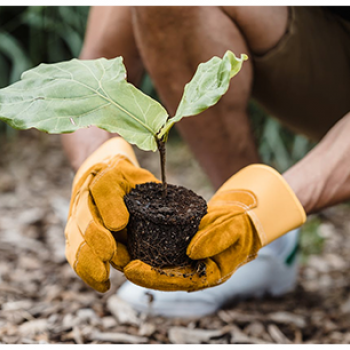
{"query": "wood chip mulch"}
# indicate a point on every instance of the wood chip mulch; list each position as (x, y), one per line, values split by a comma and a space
(43, 301)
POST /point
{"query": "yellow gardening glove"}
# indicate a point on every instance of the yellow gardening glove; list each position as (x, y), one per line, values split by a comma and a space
(253, 208)
(95, 231)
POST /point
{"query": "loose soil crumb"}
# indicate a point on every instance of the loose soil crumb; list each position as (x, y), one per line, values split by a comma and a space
(160, 228)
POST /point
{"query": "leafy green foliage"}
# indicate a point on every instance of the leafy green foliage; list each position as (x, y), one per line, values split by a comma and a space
(55, 33)
(208, 85)
(64, 97)
(30, 35)
(278, 146)
(310, 240)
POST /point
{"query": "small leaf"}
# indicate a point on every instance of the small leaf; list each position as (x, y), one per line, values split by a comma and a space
(208, 85)
(64, 97)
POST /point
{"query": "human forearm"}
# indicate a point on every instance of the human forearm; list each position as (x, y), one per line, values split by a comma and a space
(109, 34)
(322, 178)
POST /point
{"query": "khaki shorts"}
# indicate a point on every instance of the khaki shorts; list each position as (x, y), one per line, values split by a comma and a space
(305, 80)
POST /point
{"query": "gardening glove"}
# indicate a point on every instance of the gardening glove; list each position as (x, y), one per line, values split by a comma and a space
(95, 232)
(253, 208)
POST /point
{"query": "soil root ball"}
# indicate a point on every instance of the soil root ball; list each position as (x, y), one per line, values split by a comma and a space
(160, 228)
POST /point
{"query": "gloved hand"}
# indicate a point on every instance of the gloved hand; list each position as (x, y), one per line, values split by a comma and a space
(253, 208)
(95, 232)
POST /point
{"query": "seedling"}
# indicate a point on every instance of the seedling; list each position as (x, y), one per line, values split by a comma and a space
(67, 96)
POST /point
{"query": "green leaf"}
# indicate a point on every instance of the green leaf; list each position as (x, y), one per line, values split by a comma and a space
(64, 97)
(273, 138)
(208, 85)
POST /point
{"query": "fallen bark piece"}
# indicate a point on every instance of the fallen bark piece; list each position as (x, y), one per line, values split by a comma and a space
(108, 322)
(255, 329)
(88, 316)
(277, 335)
(9, 339)
(345, 306)
(184, 335)
(298, 338)
(13, 237)
(33, 327)
(7, 183)
(44, 309)
(69, 321)
(60, 207)
(6, 288)
(238, 337)
(56, 242)
(17, 305)
(31, 216)
(230, 316)
(28, 341)
(122, 311)
(147, 329)
(117, 338)
(287, 318)
(77, 335)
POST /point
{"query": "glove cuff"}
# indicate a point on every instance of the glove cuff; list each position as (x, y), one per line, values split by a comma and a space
(108, 150)
(278, 209)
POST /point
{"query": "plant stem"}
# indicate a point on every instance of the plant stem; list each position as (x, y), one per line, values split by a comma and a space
(162, 154)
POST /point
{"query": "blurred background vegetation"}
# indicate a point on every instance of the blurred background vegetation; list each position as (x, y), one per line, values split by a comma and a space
(35, 34)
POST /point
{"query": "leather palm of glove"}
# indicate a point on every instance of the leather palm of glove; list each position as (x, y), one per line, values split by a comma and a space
(95, 232)
(244, 215)
(226, 239)
(253, 208)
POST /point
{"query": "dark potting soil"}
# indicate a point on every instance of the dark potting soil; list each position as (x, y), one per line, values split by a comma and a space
(160, 228)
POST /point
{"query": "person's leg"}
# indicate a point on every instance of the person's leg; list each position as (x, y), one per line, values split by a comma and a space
(304, 80)
(300, 76)
(173, 41)
(298, 70)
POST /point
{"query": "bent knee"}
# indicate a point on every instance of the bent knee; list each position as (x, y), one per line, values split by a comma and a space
(262, 26)
(174, 16)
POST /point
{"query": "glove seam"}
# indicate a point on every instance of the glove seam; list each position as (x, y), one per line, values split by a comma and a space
(109, 167)
(203, 235)
(110, 238)
(232, 203)
(100, 175)
(77, 255)
(259, 228)
(241, 191)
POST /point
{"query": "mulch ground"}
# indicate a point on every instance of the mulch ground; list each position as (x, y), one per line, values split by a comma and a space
(43, 301)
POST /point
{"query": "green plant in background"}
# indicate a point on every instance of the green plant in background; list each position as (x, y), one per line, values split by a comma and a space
(34, 34)
(278, 146)
(310, 240)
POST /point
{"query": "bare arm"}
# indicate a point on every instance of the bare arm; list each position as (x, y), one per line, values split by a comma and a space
(109, 34)
(322, 178)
